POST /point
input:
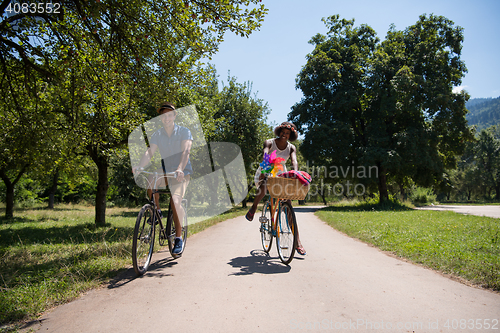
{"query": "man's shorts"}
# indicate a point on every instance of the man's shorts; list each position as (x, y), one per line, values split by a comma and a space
(177, 188)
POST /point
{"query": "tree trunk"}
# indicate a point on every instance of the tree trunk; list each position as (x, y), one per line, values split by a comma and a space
(382, 183)
(102, 191)
(53, 189)
(102, 164)
(402, 192)
(322, 194)
(9, 197)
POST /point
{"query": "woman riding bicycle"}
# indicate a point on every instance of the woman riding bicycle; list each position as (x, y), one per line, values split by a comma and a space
(285, 132)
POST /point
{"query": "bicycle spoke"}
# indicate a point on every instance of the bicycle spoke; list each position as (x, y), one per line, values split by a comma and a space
(285, 237)
(143, 242)
(266, 232)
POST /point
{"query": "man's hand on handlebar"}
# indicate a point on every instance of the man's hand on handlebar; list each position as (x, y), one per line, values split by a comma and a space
(137, 169)
(180, 175)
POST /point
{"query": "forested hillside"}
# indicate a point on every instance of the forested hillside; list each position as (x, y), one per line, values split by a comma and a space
(483, 112)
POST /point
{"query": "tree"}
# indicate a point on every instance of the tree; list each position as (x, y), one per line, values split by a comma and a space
(135, 34)
(487, 156)
(117, 60)
(241, 119)
(386, 104)
(28, 129)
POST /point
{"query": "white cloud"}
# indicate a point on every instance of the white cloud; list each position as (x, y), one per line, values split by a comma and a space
(457, 90)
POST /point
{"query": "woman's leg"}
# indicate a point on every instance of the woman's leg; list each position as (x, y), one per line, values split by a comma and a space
(261, 192)
(300, 249)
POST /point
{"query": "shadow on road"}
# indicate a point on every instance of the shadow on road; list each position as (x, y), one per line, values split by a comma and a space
(299, 209)
(258, 262)
(155, 270)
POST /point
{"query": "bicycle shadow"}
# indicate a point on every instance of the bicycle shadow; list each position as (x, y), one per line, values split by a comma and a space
(155, 270)
(156, 267)
(258, 262)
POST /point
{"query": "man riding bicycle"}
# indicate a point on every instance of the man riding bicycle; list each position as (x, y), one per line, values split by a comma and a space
(174, 143)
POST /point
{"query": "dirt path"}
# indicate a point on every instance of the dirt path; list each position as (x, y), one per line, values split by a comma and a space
(225, 283)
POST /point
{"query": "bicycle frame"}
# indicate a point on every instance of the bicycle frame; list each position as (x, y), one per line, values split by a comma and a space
(154, 190)
(143, 243)
(157, 176)
(274, 208)
(273, 227)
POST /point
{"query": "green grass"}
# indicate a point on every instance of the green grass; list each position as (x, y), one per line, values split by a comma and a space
(465, 246)
(49, 257)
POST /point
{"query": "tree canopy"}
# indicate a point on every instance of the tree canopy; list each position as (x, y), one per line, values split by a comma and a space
(101, 66)
(167, 34)
(387, 104)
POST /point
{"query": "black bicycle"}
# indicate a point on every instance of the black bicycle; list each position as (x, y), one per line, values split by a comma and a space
(143, 244)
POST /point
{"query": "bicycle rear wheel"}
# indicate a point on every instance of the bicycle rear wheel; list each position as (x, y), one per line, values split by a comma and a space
(286, 239)
(143, 242)
(170, 230)
(266, 231)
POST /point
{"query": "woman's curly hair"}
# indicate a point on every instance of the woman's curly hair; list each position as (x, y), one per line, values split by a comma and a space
(288, 125)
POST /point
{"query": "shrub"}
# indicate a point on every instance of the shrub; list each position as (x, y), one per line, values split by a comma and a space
(422, 195)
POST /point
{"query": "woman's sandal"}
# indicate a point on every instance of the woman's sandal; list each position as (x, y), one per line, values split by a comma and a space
(301, 250)
(249, 215)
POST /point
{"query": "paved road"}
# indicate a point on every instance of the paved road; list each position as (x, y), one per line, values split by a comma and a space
(491, 211)
(225, 283)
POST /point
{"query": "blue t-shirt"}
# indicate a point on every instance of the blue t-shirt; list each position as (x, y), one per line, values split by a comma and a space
(170, 147)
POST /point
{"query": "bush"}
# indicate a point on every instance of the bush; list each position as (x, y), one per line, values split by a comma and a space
(422, 195)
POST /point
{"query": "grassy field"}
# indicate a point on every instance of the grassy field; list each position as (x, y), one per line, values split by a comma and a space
(464, 246)
(49, 257)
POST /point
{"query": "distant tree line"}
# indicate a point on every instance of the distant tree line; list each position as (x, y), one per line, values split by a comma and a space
(484, 112)
(478, 174)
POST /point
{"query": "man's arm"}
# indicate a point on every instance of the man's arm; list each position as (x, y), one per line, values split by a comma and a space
(146, 158)
(186, 151)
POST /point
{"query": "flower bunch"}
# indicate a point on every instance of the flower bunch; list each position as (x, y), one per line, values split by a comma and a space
(272, 164)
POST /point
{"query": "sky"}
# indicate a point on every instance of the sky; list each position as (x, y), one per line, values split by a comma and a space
(272, 57)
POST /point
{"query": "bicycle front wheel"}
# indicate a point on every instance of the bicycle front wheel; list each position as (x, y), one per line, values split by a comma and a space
(143, 242)
(266, 229)
(286, 239)
(170, 230)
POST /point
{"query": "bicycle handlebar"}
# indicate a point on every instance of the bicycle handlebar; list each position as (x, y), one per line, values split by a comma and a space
(164, 174)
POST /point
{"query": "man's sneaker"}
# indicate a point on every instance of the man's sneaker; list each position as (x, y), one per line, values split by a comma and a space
(177, 246)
